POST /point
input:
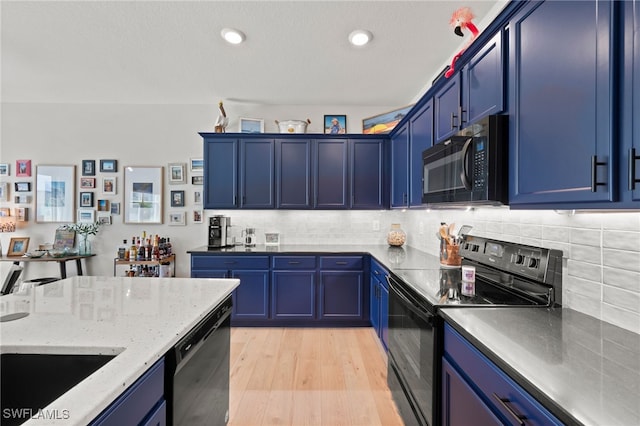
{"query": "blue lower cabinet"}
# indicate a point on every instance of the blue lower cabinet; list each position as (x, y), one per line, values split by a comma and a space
(341, 295)
(251, 297)
(141, 403)
(293, 295)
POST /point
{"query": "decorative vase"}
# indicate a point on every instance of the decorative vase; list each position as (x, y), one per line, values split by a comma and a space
(84, 246)
(396, 236)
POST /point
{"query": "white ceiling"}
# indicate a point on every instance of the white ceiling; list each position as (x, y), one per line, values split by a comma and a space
(171, 52)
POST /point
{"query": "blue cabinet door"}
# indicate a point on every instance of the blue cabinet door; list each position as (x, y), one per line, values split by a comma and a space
(384, 315)
(374, 304)
(630, 150)
(293, 173)
(560, 70)
(420, 138)
(293, 295)
(251, 297)
(399, 165)
(483, 82)
(220, 173)
(257, 173)
(447, 109)
(342, 295)
(367, 174)
(331, 190)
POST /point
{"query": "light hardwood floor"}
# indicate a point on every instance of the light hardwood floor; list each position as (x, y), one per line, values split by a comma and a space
(309, 376)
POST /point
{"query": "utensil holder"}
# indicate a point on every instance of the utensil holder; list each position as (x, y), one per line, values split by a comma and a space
(450, 254)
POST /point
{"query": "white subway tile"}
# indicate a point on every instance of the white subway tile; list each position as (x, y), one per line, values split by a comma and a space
(588, 237)
(584, 287)
(622, 240)
(556, 233)
(586, 253)
(589, 271)
(621, 317)
(622, 298)
(617, 277)
(628, 260)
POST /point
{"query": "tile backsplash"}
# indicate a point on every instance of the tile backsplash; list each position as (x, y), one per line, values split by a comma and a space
(601, 273)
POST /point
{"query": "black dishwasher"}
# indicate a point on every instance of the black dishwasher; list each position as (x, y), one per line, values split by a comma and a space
(197, 374)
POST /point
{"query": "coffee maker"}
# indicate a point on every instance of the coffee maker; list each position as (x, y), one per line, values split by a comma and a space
(218, 228)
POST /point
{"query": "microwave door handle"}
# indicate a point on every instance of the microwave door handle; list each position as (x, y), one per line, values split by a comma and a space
(464, 173)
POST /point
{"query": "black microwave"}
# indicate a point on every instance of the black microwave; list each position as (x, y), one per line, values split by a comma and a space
(470, 168)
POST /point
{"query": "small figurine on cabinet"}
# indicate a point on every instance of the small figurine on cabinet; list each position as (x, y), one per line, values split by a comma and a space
(222, 121)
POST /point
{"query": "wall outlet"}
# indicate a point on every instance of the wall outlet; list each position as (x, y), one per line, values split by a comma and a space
(376, 225)
(421, 228)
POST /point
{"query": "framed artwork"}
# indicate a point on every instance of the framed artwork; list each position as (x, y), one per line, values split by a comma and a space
(86, 216)
(177, 173)
(272, 238)
(22, 199)
(86, 199)
(104, 219)
(64, 238)
(109, 185)
(385, 122)
(115, 208)
(197, 216)
(87, 183)
(22, 186)
(22, 213)
(103, 206)
(18, 246)
(23, 168)
(177, 198)
(197, 197)
(197, 164)
(335, 124)
(177, 219)
(109, 166)
(88, 167)
(4, 191)
(251, 125)
(197, 180)
(55, 194)
(5, 211)
(143, 194)
(4, 169)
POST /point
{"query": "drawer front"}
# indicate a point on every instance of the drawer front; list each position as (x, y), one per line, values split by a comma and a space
(497, 390)
(229, 262)
(294, 262)
(341, 262)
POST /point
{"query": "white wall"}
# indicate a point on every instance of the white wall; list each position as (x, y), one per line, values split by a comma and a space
(602, 251)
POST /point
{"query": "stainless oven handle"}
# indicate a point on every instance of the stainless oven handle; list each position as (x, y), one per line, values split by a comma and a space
(411, 305)
(464, 174)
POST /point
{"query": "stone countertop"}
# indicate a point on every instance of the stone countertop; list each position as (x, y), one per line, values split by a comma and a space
(137, 319)
(584, 370)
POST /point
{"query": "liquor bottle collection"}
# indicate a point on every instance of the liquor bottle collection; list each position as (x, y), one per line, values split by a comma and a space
(145, 248)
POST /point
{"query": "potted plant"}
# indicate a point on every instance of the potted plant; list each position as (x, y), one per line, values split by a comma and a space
(84, 230)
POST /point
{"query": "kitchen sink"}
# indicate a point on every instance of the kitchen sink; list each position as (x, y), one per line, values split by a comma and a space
(32, 381)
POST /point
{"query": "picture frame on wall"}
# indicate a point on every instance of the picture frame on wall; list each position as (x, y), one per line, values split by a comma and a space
(143, 194)
(108, 166)
(22, 199)
(115, 208)
(87, 183)
(104, 219)
(251, 125)
(335, 124)
(177, 173)
(86, 216)
(86, 199)
(198, 216)
(55, 193)
(385, 122)
(103, 205)
(22, 186)
(22, 214)
(177, 219)
(197, 197)
(197, 180)
(5, 169)
(177, 198)
(88, 167)
(197, 164)
(4, 191)
(109, 185)
(23, 168)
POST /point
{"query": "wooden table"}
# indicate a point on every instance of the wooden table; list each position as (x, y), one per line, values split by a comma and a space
(62, 261)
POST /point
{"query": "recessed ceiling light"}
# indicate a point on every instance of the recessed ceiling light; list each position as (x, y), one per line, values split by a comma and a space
(360, 37)
(232, 36)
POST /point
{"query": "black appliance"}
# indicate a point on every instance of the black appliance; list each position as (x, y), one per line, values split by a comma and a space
(470, 168)
(218, 228)
(197, 373)
(507, 274)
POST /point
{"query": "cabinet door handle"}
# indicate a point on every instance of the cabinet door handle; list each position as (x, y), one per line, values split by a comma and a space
(341, 263)
(460, 112)
(294, 262)
(235, 201)
(230, 262)
(504, 402)
(632, 169)
(453, 120)
(594, 173)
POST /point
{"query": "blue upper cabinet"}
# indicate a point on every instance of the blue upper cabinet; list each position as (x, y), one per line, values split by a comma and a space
(257, 171)
(560, 88)
(220, 173)
(367, 174)
(293, 173)
(483, 82)
(420, 138)
(447, 109)
(630, 150)
(399, 167)
(331, 183)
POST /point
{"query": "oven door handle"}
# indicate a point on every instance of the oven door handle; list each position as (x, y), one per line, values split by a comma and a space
(426, 316)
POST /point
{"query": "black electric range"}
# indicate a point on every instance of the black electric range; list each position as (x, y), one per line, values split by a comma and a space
(507, 274)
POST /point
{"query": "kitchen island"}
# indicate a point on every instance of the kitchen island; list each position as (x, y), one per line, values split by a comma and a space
(137, 320)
